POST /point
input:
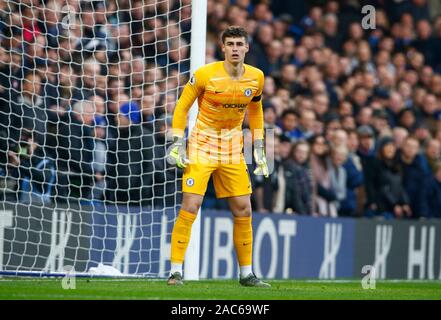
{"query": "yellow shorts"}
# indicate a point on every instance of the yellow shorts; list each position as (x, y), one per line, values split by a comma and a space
(230, 179)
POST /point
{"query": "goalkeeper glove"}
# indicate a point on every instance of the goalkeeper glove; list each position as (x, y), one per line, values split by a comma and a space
(178, 153)
(259, 157)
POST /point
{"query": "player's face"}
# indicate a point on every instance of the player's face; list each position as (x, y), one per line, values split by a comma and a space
(235, 49)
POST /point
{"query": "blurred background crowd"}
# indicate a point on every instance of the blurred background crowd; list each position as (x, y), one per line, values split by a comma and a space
(87, 93)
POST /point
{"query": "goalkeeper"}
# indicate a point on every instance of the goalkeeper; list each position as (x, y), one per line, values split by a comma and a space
(224, 91)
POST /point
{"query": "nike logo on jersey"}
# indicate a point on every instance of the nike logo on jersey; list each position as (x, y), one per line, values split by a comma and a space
(218, 91)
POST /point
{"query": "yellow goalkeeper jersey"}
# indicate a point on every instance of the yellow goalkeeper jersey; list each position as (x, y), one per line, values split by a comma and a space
(222, 103)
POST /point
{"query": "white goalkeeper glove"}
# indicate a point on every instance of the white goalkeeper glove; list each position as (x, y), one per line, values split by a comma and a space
(178, 153)
(259, 157)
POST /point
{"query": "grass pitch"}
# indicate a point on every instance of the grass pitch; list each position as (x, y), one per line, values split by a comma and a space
(121, 289)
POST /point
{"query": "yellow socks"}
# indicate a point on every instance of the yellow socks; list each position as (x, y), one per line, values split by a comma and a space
(243, 240)
(242, 235)
(181, 236)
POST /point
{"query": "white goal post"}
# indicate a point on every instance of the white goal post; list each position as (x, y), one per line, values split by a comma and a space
(198, 40)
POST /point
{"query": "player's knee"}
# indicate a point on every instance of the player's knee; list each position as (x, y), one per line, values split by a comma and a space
(247, 211)
(243, 211)
(191, 203)
(191, 206)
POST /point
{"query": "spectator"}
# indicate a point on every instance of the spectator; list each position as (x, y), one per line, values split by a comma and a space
(366, 152)
(92, 37)
(415, 175)
(299, 186)
(359, 98)
(432, 153)
(29, 23)
(100, 155)
(289, 124)
(136, 78)
(365, 116)
(391, 197)
(58, 95)
(353, 170)
(86, 83)
(399, 134)
(270, 119)
(338, 175)
(425, 43)
(178, 56)
(429, 109)
(434, 193)
(288, 49)
(100, 108)
(320, 166)
(51, 16)
(407, 120)
(396, 104)
(147, 116)
(305, 130)
(321, 105)
(274, 58)
(348, 123)
(29, 109)
(363, 61)
(116, 94)
(332, 123)
(74, 152)
(300, 56)
(288, 78)
(129, 163)
(33, 171)
(263, 38)
(284, 150)
(380, 123)
(333, 38)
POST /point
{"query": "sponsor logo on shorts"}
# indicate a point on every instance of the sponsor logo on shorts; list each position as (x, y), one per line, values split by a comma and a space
(248, 92)
(190, 182)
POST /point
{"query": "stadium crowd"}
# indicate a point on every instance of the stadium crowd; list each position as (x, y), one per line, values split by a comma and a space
(85, 108)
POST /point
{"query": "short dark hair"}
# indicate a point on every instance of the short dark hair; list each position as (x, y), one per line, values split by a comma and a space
(288, 112)
(234, 32)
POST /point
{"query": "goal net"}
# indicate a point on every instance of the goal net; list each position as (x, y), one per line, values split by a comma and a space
(87, 91)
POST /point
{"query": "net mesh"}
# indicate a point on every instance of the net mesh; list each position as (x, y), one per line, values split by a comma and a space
(87, 91)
